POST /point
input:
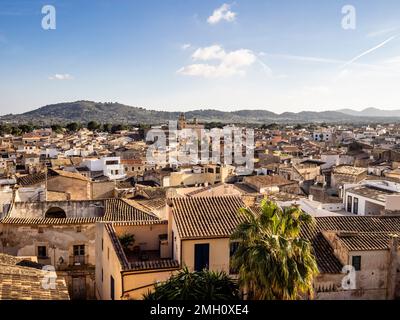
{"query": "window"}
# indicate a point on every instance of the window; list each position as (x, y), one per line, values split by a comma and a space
(42, 251)
(79, 254)
(201, 256)
(356, 262)
(108, 253)
(102, 244)
(112, 288)
(355, 206)
(349, 203)
(102, 274)
(79, 250)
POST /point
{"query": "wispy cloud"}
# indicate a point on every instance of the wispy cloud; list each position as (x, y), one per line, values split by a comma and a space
(382, 32)
(305, 58)
(225, 63)
(61, 77)
(222, 13)
(186, 46)
(267, 69)
(369, 51)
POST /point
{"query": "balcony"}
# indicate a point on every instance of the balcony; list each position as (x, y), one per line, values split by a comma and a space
(44, 260)
(75, 262)
(78, 260)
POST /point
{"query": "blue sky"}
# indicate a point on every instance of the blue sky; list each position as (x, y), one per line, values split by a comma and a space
(285, 55)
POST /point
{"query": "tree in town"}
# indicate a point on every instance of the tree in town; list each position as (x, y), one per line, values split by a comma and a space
(107, 127)
(272, 259)
(119, 127)
(26, 128)
(93, 125)
(73, 126)
(5, 129)
(57, 128)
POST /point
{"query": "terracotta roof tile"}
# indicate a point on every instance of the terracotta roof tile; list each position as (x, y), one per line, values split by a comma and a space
(122, 210)
(25, 283)
(267, 181)
(31, 179)
(366, 241)
(207, 217)
(50, 221)
(156, 264)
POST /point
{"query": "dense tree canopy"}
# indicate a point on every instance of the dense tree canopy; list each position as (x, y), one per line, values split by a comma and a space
(93, 126)
(73, 126)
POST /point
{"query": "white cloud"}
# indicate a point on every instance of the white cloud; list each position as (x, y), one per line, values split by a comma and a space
(227, 63)
(61, 77)
(222, 13)
(209, 53)
(186, 46)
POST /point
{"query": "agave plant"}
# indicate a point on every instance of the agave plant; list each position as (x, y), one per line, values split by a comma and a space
(272, 260)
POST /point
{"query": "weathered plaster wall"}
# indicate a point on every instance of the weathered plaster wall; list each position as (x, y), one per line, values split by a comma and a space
(71, 208)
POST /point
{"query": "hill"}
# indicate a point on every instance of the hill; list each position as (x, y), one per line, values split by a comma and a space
(85, 111)
(372, 112)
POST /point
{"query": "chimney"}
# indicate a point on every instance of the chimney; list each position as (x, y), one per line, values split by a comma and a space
(392, 266)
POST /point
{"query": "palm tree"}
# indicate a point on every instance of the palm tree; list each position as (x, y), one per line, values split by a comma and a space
(198, 285)
(272, 260)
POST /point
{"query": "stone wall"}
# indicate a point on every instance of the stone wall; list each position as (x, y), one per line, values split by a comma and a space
(71, 208)
(75, 188)
(103, 190)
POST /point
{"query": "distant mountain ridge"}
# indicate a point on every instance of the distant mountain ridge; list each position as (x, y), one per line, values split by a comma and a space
(372, 112)
(85, 111)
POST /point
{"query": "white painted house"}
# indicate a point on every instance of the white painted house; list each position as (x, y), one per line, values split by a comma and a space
(50, 153)
(372, 197)
(323, 136)
(110, 166)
